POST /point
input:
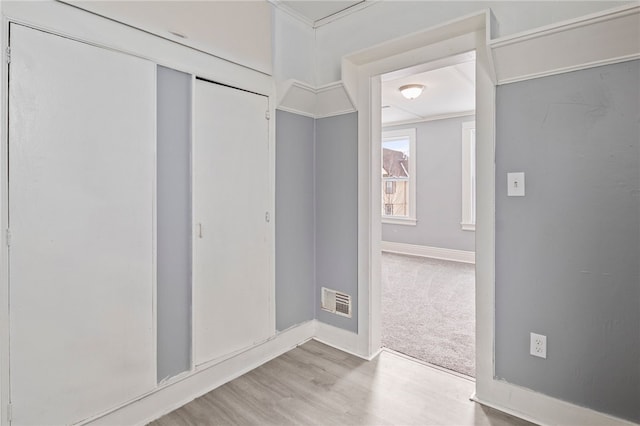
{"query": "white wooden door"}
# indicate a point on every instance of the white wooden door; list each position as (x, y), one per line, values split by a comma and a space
(81, 173)
(231, 293)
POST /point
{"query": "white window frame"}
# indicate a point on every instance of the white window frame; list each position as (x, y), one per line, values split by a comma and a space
(409, 133)
(468, 222)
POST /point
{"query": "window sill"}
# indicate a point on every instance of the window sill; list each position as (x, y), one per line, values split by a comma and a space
(409, 221)
(468, 226)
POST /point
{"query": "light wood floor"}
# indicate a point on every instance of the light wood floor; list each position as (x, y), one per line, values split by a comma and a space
(315, 384)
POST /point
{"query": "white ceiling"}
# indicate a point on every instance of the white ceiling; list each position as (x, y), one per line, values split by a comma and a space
(316, 10)
(449, 90)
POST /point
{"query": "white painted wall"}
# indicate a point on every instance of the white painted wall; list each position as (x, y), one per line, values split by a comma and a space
(238, 31)
(386, 20)
(293, 48)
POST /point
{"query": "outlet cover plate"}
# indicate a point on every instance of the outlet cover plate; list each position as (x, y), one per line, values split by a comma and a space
(538, 346)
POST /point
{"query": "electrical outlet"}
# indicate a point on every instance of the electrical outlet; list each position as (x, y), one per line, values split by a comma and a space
(538, 345)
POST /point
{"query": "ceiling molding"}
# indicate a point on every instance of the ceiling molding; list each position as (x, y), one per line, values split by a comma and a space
(344, 12)
(432, 118)
(291, 12)
(324, 101)
(363, 4)
(603, 38)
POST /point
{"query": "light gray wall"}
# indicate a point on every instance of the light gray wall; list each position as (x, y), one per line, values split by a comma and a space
(438, 188)
(567, 253)
(174, 222)
(336, 160)
(295, 224)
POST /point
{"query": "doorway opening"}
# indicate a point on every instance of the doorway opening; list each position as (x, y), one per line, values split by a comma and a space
(428, 212)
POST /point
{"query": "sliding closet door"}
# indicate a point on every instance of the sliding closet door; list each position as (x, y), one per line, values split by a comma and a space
(231, 197)
(81, 148)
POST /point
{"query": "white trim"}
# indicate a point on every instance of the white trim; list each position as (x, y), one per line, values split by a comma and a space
(345, 12)
(182, 389)
(468, 176)
(295, 111)
(4, 225)
(431, 118)
(361, 74)
(324, 101)
(468, 226)
(606, 37)
(545, 410)
(192, 183)
(407, 133)
(341, 339)
(570, 24)
(327, 19)
(572, 68)
(431, 252)
(291, 12)
(406, 221)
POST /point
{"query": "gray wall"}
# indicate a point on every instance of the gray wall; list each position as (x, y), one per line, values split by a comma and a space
(174, 222)
(295, 219)
(567, 253)
(337, 212)
(438, 188)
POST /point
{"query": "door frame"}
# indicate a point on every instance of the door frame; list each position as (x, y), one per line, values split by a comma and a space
(361, 73)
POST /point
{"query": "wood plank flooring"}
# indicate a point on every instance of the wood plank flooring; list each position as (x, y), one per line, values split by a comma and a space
(315, 384)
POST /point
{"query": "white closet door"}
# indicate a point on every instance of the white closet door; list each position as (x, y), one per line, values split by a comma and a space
(231, 248)
(81, 148)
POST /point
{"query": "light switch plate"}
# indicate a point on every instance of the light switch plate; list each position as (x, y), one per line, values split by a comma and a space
(515, 184)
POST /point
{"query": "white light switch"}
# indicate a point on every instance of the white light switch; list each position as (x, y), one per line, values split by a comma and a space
(515, 184)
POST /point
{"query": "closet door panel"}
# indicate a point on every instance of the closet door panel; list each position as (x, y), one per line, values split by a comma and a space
(81, 148)
(231, 197)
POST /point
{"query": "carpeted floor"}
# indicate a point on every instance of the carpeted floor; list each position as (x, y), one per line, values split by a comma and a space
(428, 310)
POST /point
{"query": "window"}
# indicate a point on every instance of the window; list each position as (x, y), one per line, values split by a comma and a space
(398, 177)
(468, 222)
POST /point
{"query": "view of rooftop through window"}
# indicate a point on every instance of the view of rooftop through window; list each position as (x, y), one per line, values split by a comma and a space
(395, 177)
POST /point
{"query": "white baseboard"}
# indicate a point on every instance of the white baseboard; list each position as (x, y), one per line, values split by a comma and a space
(339, 338)
(543, 409)
(503, 396)
(432, 252)
(176, 393)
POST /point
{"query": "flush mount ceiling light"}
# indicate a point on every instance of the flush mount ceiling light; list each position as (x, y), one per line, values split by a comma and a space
(411, 91)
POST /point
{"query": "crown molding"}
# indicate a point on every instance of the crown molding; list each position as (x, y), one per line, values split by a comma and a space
(316, 102)
(291, 12)
(363, 4)
(344, 12)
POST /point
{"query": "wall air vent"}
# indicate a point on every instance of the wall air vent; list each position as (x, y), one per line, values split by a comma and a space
(335, 302)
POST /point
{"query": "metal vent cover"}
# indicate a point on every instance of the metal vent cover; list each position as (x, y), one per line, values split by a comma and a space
(336, 302)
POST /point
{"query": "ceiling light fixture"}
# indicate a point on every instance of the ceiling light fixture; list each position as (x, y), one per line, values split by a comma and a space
(411, 91)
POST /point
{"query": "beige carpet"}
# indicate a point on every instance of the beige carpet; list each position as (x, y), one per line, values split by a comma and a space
(428, 310)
